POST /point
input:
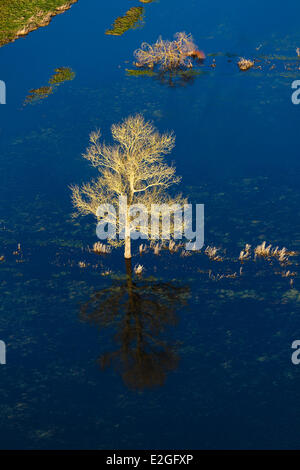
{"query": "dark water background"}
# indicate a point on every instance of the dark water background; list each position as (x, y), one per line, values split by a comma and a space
(225, 378)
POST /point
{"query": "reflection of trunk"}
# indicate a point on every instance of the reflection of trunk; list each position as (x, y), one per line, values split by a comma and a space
(129, 284)
(134, 311)
(134, 298)
(129, 272)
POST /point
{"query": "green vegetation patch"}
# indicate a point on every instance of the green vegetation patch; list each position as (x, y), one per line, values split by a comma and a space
(61, 75)
(19, 17)
(132, 19)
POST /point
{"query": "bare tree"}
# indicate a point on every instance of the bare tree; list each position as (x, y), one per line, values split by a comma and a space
(132, 167)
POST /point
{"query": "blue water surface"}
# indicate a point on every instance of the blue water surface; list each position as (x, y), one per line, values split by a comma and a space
(213, 367)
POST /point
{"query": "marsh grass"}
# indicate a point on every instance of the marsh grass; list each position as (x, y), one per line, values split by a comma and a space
(212, 253)
(101, 248)
(246, 253)
(61, 75)
(156, 248)
(37, 94)
(132, 19)
(142, 249)
(266, 251)
(138, 269)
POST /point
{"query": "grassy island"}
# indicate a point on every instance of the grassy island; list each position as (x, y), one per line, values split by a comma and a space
(20, 17)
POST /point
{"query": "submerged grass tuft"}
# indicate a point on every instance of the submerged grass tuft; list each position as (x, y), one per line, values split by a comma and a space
(245, 64)
(61, 75)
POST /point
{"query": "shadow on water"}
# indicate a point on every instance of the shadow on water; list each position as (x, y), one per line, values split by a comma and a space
(171, 78)
(139, 311)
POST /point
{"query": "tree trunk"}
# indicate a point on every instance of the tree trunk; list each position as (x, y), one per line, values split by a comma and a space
(127, 252)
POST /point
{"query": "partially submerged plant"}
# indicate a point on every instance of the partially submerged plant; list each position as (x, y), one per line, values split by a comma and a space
(246, 253)
(37, 94)
(245, 64)
(132, 19)
(18, 251)
(107, 272)
(212, 253)
(156, 248)
(169, 54)
(142, 249)
(138, 269)
(283, 254)
(172, 246)
(185, 253)
(101, 248)
(265, 251)
(61, 75)
(82, 264)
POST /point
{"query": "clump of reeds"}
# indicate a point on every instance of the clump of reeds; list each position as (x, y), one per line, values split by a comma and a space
(142, 249)
(263, 250)
(246, 253)
(108, 272)
(101, 248)
(156, 248)
(169, 54)
(245, 64)
(185, 253)
(82, 264)
(138, 269)
(282, 255)
(266, 251)
(212, 253)
(18, 251)
(172, 246)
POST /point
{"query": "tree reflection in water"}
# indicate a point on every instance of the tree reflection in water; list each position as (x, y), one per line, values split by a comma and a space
(139, 310)
(172, 78)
